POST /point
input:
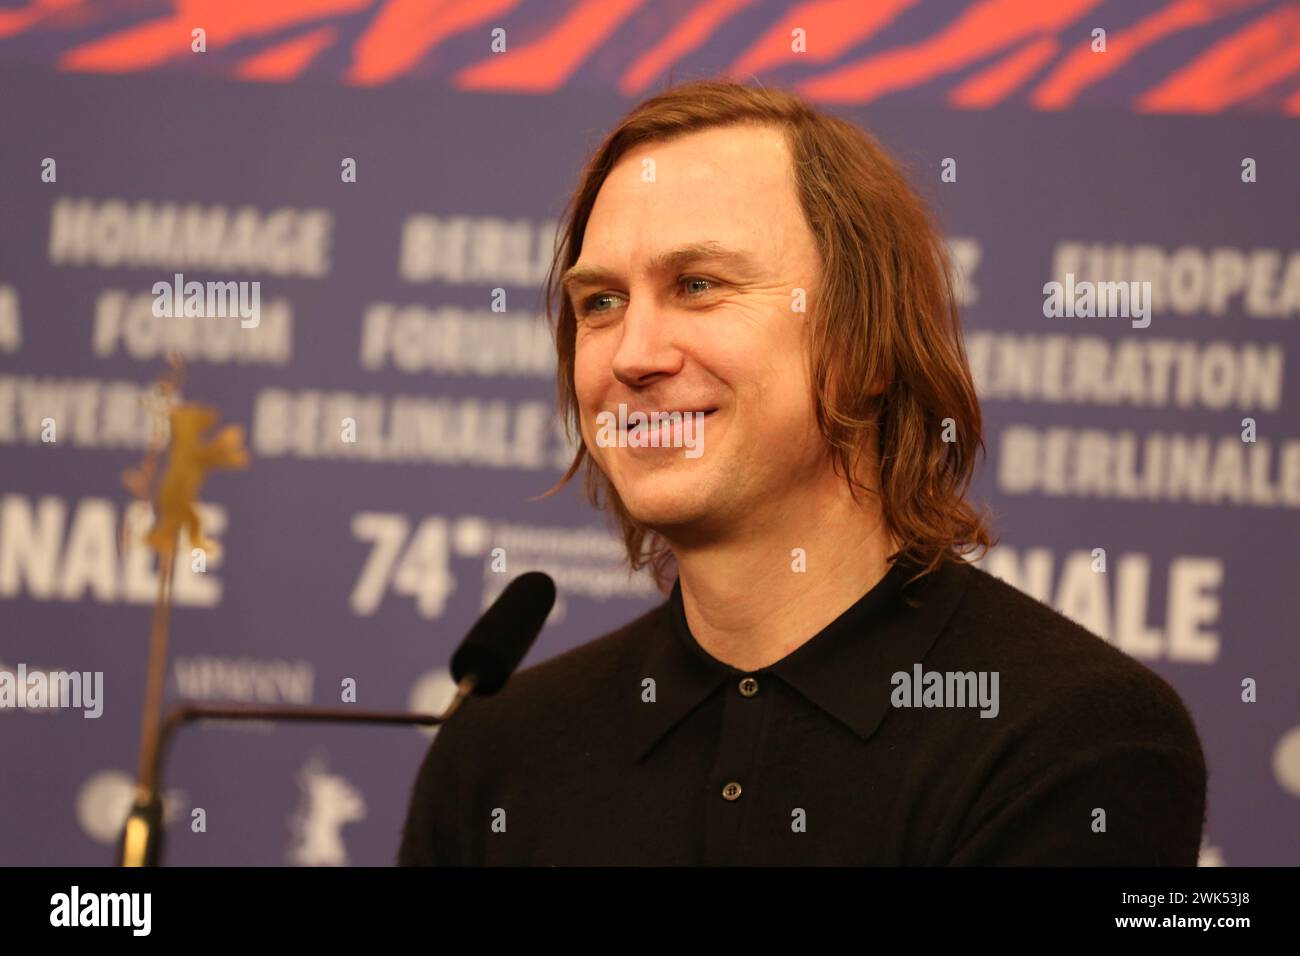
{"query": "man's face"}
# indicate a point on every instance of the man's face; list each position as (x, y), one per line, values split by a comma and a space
(712, 333)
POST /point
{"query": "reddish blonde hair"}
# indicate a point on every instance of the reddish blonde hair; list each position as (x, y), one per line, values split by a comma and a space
(887, 360)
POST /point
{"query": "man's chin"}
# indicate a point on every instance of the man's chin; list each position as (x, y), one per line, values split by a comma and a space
(664, 511)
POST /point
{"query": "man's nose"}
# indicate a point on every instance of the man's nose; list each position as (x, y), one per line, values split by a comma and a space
(646, 348)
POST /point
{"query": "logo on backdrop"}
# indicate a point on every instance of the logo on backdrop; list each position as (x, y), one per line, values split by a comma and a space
(329, 802)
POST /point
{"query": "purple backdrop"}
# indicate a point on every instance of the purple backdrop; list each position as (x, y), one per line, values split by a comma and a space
(342, 566)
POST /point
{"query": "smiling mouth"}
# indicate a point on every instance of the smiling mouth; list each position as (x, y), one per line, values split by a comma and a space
(665, 418)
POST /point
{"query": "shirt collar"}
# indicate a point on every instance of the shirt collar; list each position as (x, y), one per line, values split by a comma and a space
(846, 669)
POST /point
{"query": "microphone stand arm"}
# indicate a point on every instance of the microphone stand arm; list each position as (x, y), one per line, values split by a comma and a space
(142, 837)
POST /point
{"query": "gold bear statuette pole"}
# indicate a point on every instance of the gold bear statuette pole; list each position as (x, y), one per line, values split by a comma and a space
(190, 456)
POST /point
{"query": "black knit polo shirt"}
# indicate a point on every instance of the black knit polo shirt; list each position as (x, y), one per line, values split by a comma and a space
(953, 720)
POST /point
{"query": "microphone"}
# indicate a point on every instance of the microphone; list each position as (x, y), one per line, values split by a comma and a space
(481, 665)
(502, 636)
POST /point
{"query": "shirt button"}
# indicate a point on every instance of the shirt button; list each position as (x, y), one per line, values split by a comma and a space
(731, 791)
(748, 687)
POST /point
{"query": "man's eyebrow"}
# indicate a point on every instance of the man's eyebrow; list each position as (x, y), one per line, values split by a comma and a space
(670, 261)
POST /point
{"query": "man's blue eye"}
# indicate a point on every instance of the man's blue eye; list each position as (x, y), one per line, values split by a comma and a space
(589, 305)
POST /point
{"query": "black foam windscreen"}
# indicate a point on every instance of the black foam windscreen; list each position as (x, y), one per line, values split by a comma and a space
(502, 636)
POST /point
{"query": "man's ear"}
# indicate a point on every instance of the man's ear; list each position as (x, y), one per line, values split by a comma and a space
(876, 388)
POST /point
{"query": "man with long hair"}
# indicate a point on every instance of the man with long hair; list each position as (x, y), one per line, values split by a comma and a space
(760, 353)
